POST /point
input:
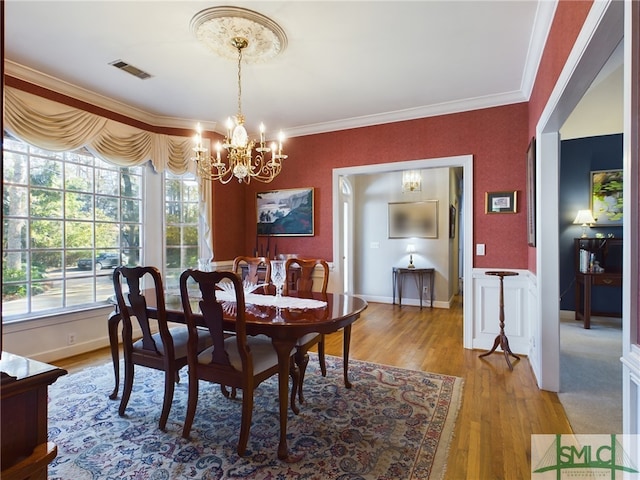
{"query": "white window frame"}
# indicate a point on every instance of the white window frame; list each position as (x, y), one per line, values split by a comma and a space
(6, 319)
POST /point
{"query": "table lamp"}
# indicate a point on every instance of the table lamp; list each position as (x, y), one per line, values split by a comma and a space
(585, 218)
(411, 249)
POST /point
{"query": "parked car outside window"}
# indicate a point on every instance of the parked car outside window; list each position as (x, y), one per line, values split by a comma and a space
(103, 260)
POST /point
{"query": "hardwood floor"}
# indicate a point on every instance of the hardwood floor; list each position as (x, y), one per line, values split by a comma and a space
(500, 408)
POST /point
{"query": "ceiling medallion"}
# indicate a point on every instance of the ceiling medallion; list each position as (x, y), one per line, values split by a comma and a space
(216, 27)
(243, 34)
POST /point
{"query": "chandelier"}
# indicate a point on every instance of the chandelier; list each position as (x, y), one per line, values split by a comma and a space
(239, 156)
(411, 181)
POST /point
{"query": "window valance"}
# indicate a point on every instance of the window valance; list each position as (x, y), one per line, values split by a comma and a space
(57, 127)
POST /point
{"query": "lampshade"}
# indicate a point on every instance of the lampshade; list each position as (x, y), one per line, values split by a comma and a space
(584, 217)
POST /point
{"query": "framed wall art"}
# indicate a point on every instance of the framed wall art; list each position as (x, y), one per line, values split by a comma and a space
(531, 193)
(501, 202)
(452, 221)
(413, 219)
(606, 196)
(285, 212)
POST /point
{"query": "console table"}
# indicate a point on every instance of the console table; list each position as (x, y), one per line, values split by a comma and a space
(608, 253)
(419, 274)
(23, 408)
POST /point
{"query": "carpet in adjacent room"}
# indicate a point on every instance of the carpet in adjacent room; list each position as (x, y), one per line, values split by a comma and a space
(591, 375)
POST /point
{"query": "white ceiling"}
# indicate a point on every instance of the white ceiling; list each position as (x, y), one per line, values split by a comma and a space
(347, 64)
(601, 109)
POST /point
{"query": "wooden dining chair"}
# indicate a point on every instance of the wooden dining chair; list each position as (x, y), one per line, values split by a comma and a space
(165, 350)
(238, 361)
(303, 283)
(252, 269)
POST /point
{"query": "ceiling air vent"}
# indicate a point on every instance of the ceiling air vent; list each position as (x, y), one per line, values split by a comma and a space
(136, 72)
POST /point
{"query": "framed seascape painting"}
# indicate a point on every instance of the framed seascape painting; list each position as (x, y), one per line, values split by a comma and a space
(606, 196)
(452, 221)
(285, 212)
(413, 219)
(531, 193)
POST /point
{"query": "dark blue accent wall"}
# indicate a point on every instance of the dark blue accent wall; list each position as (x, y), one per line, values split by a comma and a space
(577, 158)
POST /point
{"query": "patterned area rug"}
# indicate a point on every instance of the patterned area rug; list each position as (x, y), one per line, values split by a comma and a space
(393, 424)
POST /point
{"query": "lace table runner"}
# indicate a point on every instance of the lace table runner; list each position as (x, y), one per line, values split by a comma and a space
(273, 301)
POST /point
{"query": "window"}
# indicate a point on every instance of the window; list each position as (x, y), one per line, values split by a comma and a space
(68, 219)
(181, 226)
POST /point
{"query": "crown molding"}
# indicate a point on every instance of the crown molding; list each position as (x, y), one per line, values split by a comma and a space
(545, 12)
(49, 82)
(415, 113)
(46, 81)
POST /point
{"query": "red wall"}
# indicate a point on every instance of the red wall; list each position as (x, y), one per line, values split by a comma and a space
(567, 22)
(496, 137)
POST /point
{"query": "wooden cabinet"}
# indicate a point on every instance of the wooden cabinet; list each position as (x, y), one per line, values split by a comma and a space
(26, 451)
(598, 263)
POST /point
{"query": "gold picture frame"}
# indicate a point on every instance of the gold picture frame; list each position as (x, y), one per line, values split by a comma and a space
(413, 219)
(501, 202)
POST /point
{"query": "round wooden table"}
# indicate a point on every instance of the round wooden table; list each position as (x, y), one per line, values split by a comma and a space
(283, 325)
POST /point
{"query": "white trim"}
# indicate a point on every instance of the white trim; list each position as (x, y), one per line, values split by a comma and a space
(49, 82)
(541, 27)
(464, 161)
(631, 195)
(600, 35)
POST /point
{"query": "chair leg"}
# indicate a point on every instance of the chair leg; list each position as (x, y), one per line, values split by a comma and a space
(128, 385)
(127, 348)
(294, 373)
(112, 322)
(323, 363)
(226, 393)
(302, 360)
(192, 402)
(245, 422)
(169, 378)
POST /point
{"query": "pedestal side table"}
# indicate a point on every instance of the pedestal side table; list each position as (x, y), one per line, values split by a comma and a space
(501, 340)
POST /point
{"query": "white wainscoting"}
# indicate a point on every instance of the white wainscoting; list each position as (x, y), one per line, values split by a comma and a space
(517, 310)
(46, 339)
(631, 391)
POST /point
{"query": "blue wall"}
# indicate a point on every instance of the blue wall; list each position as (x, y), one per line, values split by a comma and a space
(577, 158)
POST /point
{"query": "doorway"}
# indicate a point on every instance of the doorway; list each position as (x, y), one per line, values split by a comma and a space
(602, 32)
(341, 229)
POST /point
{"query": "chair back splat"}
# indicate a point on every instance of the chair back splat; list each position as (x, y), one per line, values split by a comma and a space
(304, 279)
(253, 269)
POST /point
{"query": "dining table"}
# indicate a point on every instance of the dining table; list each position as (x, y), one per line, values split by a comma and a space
(284, 320)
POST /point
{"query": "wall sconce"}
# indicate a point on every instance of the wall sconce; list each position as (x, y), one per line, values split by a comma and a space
(411, 181)
(584, 218)
(411, 249)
